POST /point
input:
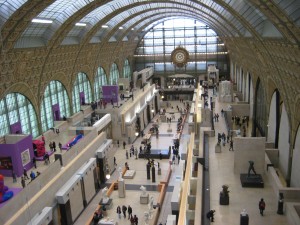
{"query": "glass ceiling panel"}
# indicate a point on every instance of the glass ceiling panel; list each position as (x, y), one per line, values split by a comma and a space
(7, 8)
(291, 8)
(61, 10)
(250, 14)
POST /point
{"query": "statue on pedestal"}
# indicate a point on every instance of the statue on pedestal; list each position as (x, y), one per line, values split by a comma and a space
(143, 189)
(150, 207)
(105, 198)
(224, 195)
(146, 218)
(251, 168)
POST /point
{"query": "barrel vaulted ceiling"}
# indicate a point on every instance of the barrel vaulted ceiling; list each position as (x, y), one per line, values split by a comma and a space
(262, 36)
(230, 18)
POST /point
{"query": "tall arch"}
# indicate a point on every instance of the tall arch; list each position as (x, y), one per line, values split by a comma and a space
(126, 70)
(81, 93)
(114, 74)
(259, 111)
(55, 105)
(274, 119)
(100, 80)
(284, 141)
(295, 176)
(17, 115)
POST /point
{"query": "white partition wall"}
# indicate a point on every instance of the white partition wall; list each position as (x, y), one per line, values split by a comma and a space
(42, 218)
(88, 180)
(249, 149)
(70, 200)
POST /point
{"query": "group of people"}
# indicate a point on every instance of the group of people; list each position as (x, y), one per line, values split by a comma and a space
(133, 219)
(25, 177)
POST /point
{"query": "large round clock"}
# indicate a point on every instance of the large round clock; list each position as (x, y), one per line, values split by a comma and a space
(179, 56)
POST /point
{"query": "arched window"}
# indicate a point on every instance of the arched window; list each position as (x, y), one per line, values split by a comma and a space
(114, 74)
(202, 43)
(126, 70)
(100, 80)
(81, 93)
(17, 115)
(55, 105)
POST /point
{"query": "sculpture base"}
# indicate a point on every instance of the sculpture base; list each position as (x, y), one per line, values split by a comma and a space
(218, 148)
(144, 199)
(254, 181)
(224, 200)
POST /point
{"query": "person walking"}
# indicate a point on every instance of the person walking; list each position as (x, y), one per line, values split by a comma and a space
(60, 146)
(178, 157)
(126, 154)
(124, 209)
(23, 182)
(124, 144)
(136, 220)
(34, 161)
(14, 176)
(54, 146)
(119, 211)
(129, 211)
(231, 146)
(261, 206)
(25, 174)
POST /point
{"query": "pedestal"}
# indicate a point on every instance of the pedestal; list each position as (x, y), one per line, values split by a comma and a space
(121, 189)
(254, 181)
(107, 205)
(159, 171)
(224, 199)
(144, 199)
(218, 148)
(244, 219)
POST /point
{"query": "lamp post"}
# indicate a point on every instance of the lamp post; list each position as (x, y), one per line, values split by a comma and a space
(152, 110)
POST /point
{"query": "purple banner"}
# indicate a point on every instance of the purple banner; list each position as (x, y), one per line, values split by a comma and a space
(110, 92)
(16, 128)
(56, 112)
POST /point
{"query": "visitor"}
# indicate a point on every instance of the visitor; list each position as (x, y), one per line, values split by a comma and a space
(32, 175)
(60, 146)
(25, 174)
(14, 176)
(261, 206)
(34, 161)
(136, 220)
(54, 146)
(129, 211)
(231, 146)
(119, 211)
(124, 144)
(23, 182)
(124, 209)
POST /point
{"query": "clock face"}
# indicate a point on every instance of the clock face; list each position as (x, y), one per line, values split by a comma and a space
(179, 56)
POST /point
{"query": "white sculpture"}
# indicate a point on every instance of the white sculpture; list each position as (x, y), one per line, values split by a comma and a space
(150, 207)
(105, 198)
(146, 218)
(143, 189)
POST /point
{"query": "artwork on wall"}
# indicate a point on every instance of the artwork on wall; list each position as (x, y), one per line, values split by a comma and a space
(25, 156)
(5, 163)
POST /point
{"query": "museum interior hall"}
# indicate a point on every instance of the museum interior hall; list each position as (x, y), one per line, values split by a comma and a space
(177, 112)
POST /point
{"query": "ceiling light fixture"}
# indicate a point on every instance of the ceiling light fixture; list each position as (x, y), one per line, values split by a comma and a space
(41, 21)
(80, 24)
(104, 26)
(121, 28)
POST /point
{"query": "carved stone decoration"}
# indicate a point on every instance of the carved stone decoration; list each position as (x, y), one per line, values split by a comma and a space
(179, 56)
